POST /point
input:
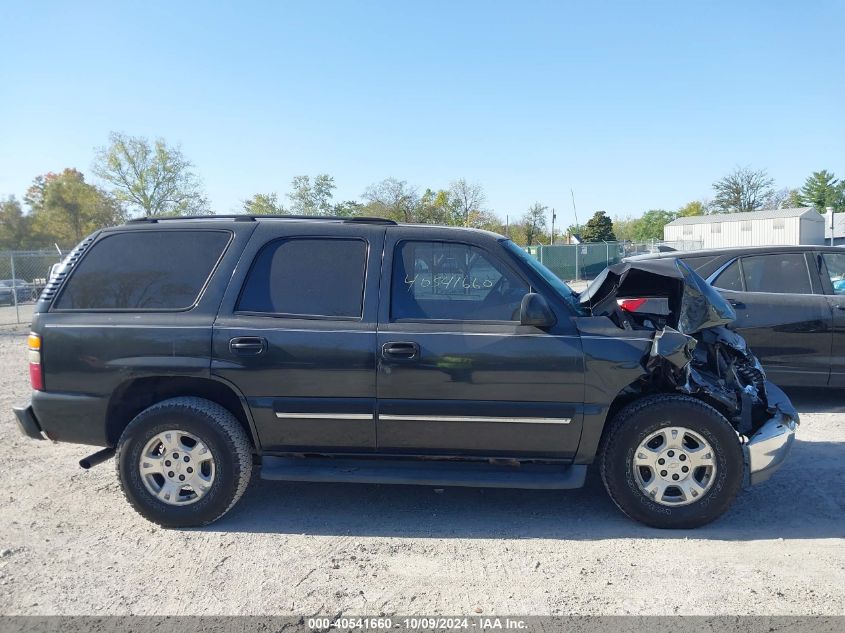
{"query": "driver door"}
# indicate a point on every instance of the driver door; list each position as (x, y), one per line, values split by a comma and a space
(457, 373)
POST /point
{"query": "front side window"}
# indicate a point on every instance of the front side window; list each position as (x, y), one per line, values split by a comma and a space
(784, 274)
(835, 263)
(453, 281)
(730, 278)
(308, 277)
(144, 270)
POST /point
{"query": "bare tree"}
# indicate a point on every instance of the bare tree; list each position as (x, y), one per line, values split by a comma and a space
(392, 198)
(534, 222)
(150, 177)
(468, 200)
(744, 189)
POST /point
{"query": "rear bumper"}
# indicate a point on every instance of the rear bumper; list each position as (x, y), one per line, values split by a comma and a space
(27, 423)
(64, 417)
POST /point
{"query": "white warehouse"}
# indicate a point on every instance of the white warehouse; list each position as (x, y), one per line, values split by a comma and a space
(755, 228)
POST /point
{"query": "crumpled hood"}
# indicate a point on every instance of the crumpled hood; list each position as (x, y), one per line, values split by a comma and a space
(694, 304)
(691, 351)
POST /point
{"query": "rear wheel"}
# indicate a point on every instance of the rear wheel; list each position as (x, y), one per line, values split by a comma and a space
(184, 462)
(672, 461)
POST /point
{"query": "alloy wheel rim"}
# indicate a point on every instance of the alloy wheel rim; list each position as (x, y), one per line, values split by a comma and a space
(674, 466)
(177, 467)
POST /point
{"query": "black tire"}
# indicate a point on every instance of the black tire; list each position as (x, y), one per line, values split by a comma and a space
(634, 424)
(218, 429)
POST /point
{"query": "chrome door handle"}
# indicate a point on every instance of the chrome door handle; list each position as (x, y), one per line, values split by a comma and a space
(247, 345)
(400, 350)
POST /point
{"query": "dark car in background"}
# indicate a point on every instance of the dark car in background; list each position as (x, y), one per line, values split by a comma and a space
(789, 302)
(16, 291)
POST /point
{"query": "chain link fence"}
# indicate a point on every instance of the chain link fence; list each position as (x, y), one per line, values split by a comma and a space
(23, 275)
(574, 262)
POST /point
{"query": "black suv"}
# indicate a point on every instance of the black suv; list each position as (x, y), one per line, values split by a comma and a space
(359, 350)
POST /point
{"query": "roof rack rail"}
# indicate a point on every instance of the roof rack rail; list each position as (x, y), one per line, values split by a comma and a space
(246, 217)
(367, 220)
(242, 217)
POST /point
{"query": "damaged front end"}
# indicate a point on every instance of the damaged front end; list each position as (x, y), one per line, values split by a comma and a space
(693, 352)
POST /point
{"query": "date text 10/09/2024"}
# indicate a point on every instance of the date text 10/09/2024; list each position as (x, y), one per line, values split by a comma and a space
(417, 623)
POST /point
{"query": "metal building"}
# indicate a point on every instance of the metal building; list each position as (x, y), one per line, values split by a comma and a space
(837, 231)
(755, 228)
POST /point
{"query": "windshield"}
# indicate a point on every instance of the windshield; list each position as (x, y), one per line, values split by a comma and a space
(553, 280)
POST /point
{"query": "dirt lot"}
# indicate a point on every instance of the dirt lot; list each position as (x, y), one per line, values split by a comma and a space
(70, 544)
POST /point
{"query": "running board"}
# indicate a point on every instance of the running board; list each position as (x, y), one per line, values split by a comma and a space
(424, 473)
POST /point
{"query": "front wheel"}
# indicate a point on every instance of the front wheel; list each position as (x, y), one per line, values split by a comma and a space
(672, 461)
(184, 462)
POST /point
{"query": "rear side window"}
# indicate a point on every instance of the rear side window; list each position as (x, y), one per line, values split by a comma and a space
(730, 278)
(835, 263)
(144, 270)
(784, 274)
(322, 277)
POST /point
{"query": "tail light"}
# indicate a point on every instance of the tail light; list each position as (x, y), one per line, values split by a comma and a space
(630, 305)
(36, 372)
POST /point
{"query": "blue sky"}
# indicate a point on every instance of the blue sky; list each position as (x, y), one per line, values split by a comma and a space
(634, 105)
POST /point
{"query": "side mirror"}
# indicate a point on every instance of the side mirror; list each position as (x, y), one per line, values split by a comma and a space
(535, 311)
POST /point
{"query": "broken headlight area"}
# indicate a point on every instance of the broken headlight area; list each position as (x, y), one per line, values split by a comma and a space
(692, 350)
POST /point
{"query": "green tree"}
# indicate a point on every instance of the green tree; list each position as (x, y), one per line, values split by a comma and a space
(793, 200)
(696, 207)
(15, 226)
(575, 229)
(436, 207)
(393, 199)
(534, 223)
(348, 209)
(650, 226)
(599, 228)
(623, 228)
(70, 208)
(150, 177)
(312, 198)
(264, 204)
(744, 189)
(822, 190)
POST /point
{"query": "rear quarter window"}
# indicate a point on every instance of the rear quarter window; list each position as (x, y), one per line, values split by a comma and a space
(144, 270)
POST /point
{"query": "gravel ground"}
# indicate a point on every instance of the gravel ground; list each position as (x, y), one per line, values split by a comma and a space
(70, 544)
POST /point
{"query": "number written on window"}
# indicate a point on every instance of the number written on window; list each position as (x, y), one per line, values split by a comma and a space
(452, 281)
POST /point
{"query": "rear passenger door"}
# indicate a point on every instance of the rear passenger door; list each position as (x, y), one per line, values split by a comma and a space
(296, 334)
(781, 314)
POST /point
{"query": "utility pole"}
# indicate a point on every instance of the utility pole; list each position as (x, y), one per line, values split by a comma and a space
(554, 215)
(574, 210)
(829, 214)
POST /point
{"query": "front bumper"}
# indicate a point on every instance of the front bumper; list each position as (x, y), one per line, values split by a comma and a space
(767, 449)
(27, 423)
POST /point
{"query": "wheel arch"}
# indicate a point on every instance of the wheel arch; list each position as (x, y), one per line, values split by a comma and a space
(134, 395)
(597, 419)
